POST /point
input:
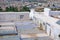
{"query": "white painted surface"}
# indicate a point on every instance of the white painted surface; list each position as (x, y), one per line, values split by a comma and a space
(13, 16)
(31, 14)
(48, 29)
(46, 11)
(13, 12)
(52, 21)
(31, 36)
(7, 23)
(54, 13)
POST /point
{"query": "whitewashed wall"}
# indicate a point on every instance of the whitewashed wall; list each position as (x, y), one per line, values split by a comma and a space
(54, 13)
(13, 16)
(52, 29)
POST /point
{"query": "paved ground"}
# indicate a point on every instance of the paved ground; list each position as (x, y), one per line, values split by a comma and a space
(38, 38)
(29, 31)
(9, 37)
(27, 27)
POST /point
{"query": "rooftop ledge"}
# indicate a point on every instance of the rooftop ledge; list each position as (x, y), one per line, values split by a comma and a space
(12, 12)
(32, 35)
(7, 23)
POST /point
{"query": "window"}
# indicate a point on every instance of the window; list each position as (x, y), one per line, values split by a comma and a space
(21, 16)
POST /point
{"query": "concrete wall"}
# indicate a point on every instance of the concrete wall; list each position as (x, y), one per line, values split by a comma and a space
(54, 13)
(51, 27)
(13, 16)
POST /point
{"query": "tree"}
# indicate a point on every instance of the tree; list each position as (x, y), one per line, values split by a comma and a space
(1, 9)
(15, 9)
(11, 8)
(48, 5)
(7, 9)
(53, 5)
(25, 8)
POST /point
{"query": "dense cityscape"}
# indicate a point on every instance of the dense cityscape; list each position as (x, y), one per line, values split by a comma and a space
(36, 4)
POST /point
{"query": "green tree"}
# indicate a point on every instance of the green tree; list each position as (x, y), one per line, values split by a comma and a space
(1, 9)
(53, 5)
(7, 9)
(16, 9)
(25, 8)
(12, 9)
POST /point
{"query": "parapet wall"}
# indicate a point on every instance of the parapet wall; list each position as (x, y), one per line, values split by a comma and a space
(13, 16)
(54, 13)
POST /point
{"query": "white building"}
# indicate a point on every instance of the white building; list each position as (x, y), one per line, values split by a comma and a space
(50, 23)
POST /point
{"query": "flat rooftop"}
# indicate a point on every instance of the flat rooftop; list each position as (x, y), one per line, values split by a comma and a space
(7, 23)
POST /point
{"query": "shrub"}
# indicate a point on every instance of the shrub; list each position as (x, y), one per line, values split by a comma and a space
(13, 9)
(25, 8)
(1, 9)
